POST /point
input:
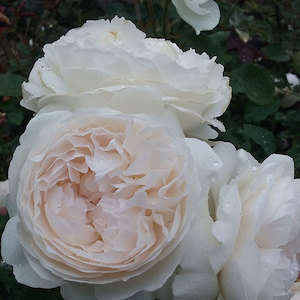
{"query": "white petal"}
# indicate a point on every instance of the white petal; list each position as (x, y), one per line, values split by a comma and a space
(204, 132)
(227, 154)
(12, 253)
(205, 160)
(205, 19)
(196, 279)
(149, 281)
(78, 291)
(24, 274)
(231, 282)
(227, 226)
(292, 79)
(11, 249)
(136, 100)
(38, 126)
(283, 165)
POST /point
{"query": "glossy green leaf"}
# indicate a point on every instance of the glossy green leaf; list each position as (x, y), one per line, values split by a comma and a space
(262, 137)
(276, 53)
(256, 113)
(255, 82)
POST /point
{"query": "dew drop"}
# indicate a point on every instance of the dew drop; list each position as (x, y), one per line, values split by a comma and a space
(215, 164)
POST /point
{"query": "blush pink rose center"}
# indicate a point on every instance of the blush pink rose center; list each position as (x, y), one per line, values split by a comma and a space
(104, 198)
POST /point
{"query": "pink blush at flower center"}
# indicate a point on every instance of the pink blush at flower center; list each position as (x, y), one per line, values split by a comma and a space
(99, 199)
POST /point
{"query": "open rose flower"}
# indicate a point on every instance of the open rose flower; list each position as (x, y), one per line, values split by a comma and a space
(200, 14)
(101, 201)
(104, 57)
(257, 226)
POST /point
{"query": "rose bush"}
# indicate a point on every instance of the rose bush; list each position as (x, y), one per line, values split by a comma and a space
(101, 202)
(200, 14)
(103, 58)
(257, 225)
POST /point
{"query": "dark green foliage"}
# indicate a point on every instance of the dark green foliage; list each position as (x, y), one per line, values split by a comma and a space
(256, 120)
(255, 82)
(10, 84)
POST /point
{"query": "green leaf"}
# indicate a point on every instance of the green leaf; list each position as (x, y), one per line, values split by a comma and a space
(262, 137)
(237, 137)
(10, 84)
(290, 119)
(255, 82)
(256, 113)
(214, 44)
(276, 53)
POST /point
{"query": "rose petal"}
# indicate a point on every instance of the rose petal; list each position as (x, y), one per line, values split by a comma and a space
(196, 279)
(202, 15)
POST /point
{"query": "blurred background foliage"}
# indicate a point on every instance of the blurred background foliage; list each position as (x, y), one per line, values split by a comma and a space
(258, 42)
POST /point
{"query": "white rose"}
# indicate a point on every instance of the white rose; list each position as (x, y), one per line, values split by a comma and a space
(200, 14)
(100, 202)
(103, 58)
(257, 226)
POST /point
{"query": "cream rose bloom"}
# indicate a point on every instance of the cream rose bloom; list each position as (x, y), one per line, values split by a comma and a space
(101, 202)
(246, 249)
(200, 14)
(103, 58)
(257, 226)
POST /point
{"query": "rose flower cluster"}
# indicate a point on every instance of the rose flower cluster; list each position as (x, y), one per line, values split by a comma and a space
(115, 193)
